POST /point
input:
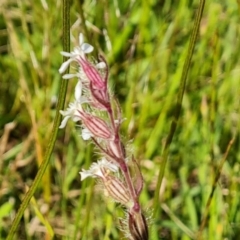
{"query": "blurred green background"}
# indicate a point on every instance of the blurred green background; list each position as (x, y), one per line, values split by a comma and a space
(145, 44)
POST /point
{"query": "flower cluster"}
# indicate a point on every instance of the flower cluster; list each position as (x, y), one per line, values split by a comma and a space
(100, 117)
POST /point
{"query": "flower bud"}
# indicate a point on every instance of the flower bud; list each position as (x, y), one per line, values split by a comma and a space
(137, 226)
(96, 125)
(113, 149)
(117, 190)
(100, 98)
(92, 74)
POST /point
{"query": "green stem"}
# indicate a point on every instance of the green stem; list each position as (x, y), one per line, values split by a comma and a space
(53, 136)
(174, 123)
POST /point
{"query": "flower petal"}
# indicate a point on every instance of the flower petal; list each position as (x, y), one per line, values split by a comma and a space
(64, 122)
(98, 169)
(86, 134)
(69, 76)
(65, 65)
(84, 174)
(101, 65)
(66, 54)
(81, 39)
(87, 48)
(105, 163)
(78, 91)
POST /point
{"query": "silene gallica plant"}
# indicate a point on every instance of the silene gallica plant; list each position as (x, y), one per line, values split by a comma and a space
(100, 116)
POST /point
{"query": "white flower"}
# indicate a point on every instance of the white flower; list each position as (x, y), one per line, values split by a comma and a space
(85, 47)
(71, 112)
(98, 169)
(75, 107)
(79, 51)
(86, 134)
(101, 65)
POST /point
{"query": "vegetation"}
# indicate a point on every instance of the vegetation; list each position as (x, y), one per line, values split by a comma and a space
(145, 44)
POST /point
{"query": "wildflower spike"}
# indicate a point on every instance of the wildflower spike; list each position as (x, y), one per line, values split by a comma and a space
(101, 118)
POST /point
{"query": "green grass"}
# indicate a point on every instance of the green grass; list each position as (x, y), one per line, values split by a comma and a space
(145, 43)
